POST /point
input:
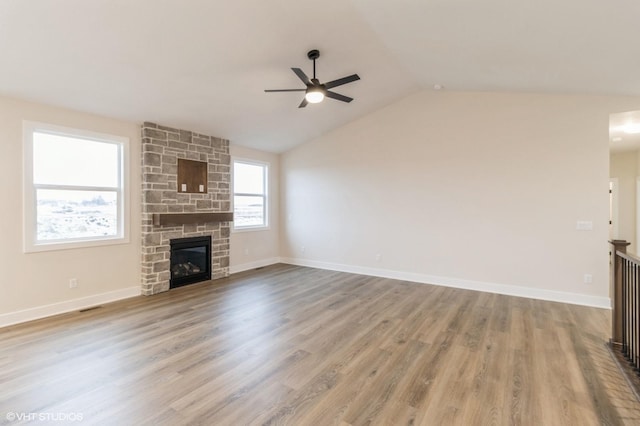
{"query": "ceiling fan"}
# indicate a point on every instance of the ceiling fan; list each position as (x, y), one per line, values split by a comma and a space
(315, 91)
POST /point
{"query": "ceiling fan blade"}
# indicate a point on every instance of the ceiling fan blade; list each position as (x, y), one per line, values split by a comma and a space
(341, 81)
(303, 103)
(284, 90)
(337, 96)
(301, 75)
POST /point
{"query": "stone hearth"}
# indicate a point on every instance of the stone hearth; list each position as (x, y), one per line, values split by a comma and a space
(161, 148)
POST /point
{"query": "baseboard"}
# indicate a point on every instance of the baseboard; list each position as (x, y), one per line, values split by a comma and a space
(66, 306)
(533, 293)
(253, 265)
(509, 290)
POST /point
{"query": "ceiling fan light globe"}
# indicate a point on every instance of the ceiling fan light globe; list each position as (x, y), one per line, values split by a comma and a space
(314, 96)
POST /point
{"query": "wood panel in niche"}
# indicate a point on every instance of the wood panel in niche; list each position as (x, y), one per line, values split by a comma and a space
(192, 176)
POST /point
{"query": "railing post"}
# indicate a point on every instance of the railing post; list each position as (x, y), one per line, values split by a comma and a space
(615, 290)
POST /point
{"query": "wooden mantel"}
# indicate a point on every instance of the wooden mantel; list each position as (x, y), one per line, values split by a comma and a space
(176, 219)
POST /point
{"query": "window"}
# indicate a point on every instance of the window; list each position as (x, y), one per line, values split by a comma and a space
(249, 195)
(74, 188)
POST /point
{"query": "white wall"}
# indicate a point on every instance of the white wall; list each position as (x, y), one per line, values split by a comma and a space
(252, 249)
(475, 190)
(623, 166)
(37, 284)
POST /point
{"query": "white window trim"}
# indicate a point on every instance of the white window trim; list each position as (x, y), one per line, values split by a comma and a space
(267, 204)
(30, 244)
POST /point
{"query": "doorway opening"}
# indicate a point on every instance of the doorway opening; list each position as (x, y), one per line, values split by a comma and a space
(624, 177)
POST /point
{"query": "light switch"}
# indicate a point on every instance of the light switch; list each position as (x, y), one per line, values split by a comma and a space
(201, 188)
(184, 187)
(584, 225)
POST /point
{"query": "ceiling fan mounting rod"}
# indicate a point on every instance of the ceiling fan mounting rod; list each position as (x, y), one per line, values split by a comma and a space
(313, 55)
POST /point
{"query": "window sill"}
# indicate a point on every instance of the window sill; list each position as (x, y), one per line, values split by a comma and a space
(56, 246)
(250, 229)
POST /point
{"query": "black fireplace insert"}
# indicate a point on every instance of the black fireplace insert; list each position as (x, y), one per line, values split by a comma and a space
(190, 260)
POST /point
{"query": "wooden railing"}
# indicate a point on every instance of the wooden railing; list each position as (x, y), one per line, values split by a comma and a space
(625, 297)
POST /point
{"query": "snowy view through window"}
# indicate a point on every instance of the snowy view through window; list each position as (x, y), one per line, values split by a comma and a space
(76, 187)
(76, 214)
(248, 211)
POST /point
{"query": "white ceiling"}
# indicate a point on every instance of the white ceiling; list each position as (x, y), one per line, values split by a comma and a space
(203, 64)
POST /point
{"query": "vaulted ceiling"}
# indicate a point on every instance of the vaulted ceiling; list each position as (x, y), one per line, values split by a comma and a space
(203, 64)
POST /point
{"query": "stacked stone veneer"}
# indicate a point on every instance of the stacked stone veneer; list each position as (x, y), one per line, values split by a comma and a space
(161, 148)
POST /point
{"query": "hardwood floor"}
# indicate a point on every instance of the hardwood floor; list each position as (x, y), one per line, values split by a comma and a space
(301, 346)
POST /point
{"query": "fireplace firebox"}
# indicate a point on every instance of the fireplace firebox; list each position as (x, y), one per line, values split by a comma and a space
(190, 260)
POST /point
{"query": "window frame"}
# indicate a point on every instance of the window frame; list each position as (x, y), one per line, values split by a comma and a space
(30, 223)
(265, 169)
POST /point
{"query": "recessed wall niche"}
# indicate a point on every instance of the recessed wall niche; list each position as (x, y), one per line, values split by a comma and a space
(192, 176)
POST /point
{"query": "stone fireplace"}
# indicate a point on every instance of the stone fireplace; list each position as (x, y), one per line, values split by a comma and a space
(168, 214)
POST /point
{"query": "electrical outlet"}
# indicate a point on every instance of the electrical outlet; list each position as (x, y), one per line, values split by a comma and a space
(73, 283)
(588, 278)
(246, 252)
(378, 257)
(303, 249)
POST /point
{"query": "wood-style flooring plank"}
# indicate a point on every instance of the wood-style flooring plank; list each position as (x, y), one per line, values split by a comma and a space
(301, 346)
